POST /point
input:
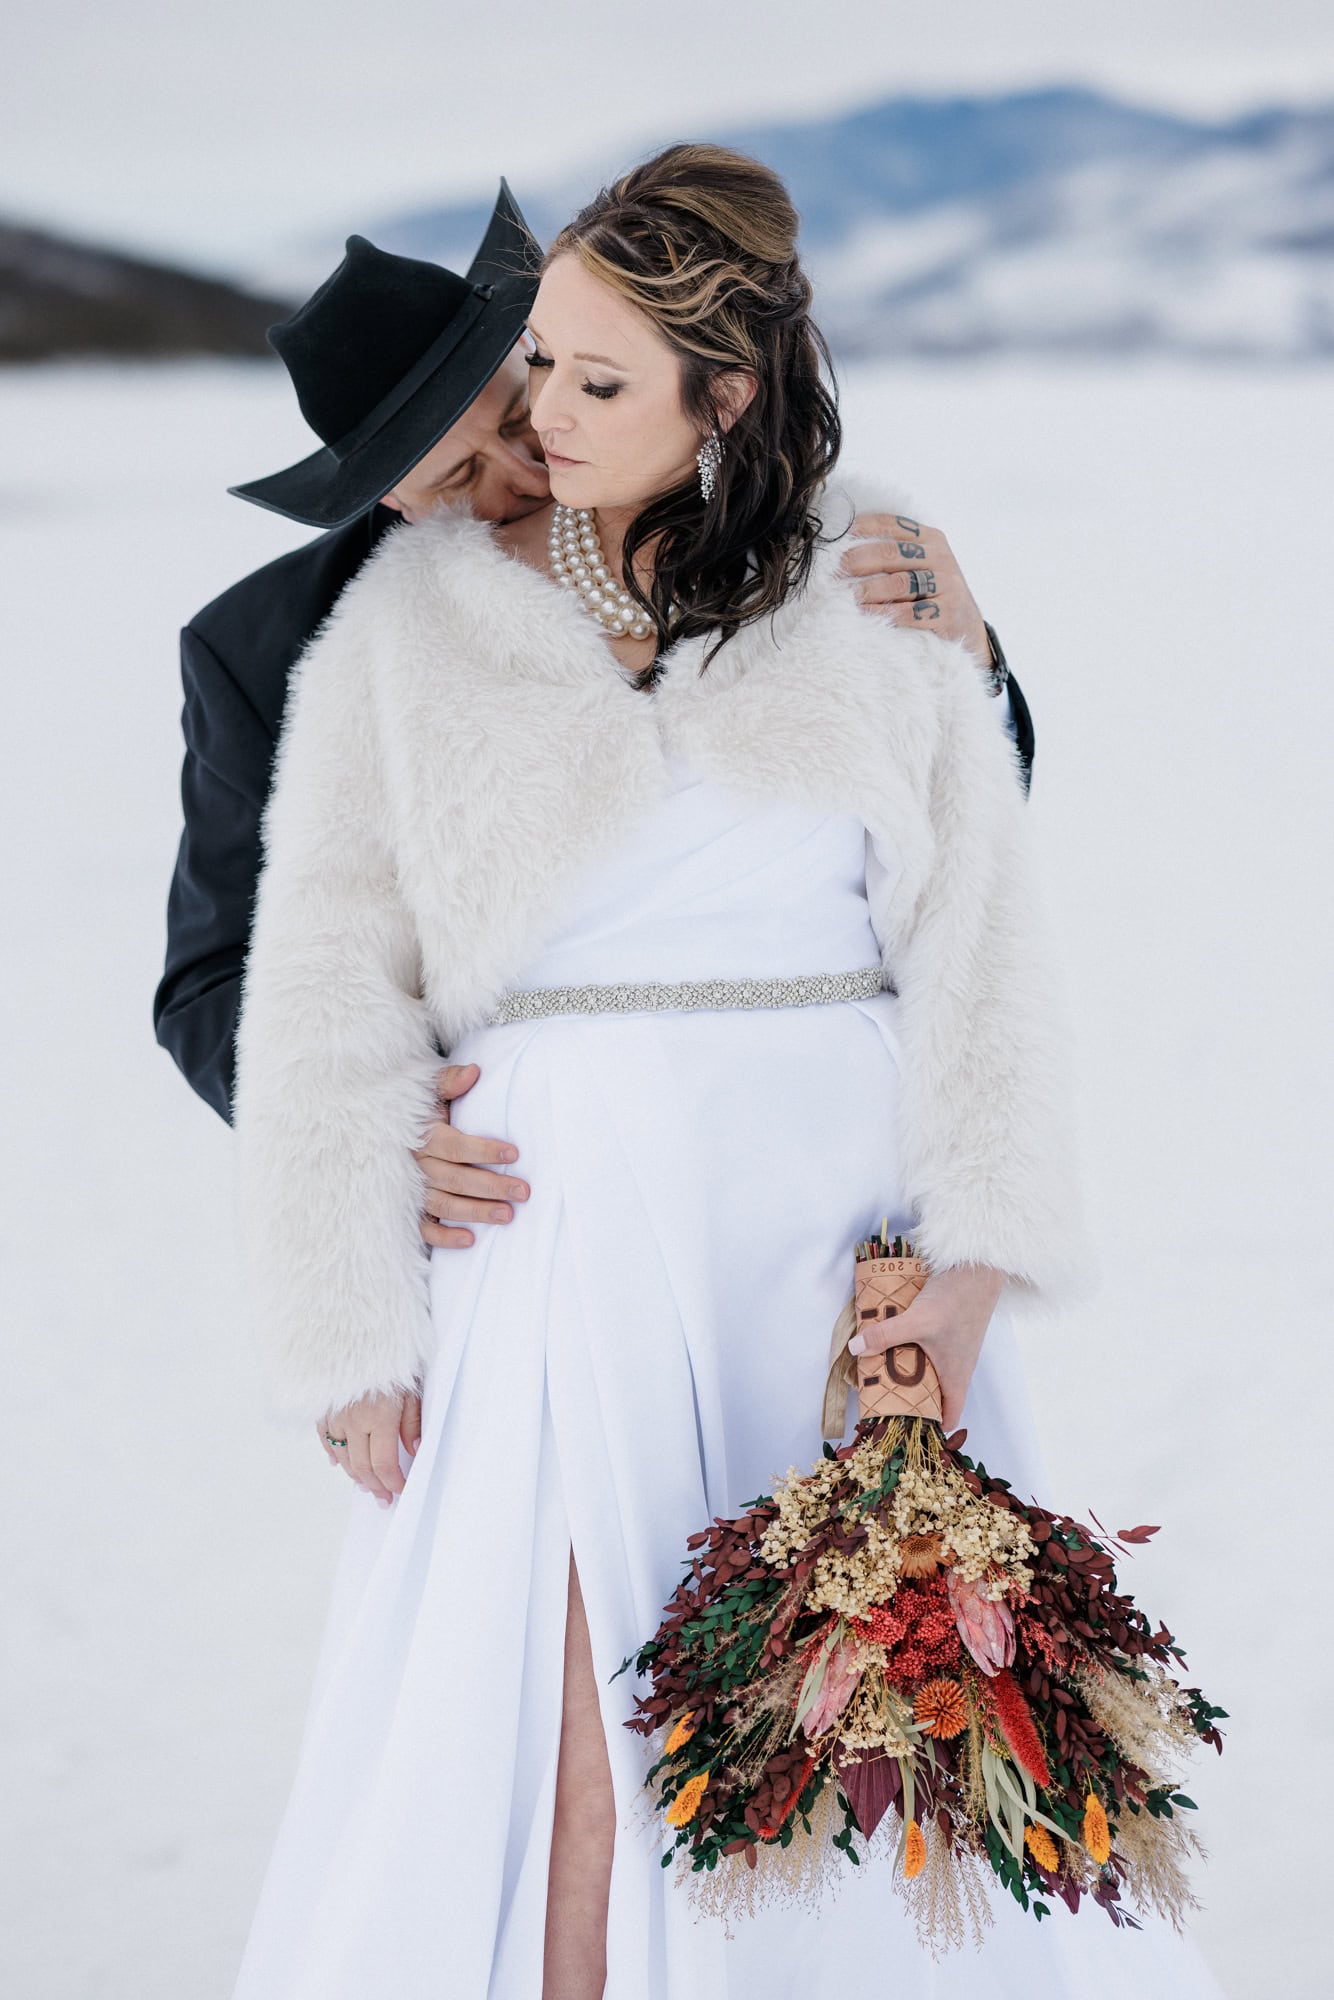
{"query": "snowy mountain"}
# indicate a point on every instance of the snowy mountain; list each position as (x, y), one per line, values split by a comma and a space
(61, 297)
(1054, 220)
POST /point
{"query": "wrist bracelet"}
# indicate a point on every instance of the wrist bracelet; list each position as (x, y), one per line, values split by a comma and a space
(998, 667)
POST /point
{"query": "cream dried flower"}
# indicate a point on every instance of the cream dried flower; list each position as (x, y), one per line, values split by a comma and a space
(852, 1583)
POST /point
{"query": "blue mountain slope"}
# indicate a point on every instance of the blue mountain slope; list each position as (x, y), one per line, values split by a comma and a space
(1041, 220)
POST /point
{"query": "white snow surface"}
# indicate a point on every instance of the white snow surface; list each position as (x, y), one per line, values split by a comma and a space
(1148, 540)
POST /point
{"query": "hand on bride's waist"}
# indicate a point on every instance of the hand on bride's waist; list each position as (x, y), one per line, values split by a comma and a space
(948, 1319)
(460, 1186)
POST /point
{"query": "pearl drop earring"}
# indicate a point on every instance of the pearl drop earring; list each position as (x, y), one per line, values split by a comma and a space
(709, 458)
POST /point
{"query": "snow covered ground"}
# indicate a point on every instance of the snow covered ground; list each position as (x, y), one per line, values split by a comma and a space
(1149, 544)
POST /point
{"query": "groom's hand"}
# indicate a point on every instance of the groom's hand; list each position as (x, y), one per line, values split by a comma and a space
(889, 551)
(459, 1186)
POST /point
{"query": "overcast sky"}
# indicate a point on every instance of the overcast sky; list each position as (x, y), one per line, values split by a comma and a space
(222, 132)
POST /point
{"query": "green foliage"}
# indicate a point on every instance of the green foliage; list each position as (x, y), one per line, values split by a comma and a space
(843, 1841)
(889, 1479)
(641, 1661)
(1009, 1870)
(1160, 1801)
(1203, 1714)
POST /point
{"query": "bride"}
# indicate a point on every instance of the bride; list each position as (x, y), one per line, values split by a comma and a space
(723, 887)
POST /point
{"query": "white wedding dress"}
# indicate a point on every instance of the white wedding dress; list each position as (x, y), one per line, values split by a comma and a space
(644, 1346)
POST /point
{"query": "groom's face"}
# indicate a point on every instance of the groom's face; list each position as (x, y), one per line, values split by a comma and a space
(490, 457)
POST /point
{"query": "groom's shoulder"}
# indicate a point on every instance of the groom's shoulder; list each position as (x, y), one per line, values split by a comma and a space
(267, 617)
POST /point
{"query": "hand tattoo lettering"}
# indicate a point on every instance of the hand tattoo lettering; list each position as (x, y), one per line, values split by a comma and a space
(911, 549)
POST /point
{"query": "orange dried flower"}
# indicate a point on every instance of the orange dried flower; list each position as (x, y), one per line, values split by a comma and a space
(1016, 1722)
(682, 1733)
(919, 1555)
(1097, 1833)
(914, 1852)
(941, 1709)
(686, 1803)
(1042, 1847)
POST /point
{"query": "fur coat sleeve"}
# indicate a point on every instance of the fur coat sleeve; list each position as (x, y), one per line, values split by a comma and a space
(336, 1059)
(988, 1133)
(989, 1141)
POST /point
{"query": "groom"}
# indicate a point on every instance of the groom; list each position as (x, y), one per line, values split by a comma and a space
(413, 377)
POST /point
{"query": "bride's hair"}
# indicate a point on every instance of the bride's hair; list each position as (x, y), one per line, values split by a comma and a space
(703, 241)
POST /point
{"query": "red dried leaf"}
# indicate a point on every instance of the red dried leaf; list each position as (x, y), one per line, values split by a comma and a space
(871, 1782)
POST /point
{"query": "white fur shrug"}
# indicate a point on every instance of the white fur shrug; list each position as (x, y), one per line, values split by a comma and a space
(458, 740)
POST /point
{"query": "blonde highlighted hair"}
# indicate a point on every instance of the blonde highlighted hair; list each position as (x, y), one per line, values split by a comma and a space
(703, 242)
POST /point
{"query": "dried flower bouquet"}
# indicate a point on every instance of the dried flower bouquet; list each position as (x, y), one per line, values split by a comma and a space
(896, 1637)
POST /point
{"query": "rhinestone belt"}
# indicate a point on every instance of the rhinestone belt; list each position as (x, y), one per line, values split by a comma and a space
(804, 989)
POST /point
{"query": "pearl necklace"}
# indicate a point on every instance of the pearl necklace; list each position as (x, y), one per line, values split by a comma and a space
(578, 563)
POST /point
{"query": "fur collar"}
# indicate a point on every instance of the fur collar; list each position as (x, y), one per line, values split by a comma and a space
(515, 747)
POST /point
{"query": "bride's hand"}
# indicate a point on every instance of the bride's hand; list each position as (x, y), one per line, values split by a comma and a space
(372, 1428)
(948, 1319)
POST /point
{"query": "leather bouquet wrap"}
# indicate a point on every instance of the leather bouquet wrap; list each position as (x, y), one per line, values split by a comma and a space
(893, 1656)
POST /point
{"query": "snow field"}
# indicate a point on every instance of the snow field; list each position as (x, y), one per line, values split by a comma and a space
(1148, 543)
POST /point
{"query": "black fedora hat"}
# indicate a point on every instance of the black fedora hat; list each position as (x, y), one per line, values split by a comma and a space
(385, 356)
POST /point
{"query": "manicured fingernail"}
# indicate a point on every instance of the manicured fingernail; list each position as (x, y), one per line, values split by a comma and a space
(413, 1446)
(382, 1499)
(511, 1153)
(857, 1345)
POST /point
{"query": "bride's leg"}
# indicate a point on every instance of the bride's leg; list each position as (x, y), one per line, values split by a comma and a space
(575, 1964)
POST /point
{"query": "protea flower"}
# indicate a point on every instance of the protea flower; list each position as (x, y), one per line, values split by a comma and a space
(984, 1623)
(841, 1675)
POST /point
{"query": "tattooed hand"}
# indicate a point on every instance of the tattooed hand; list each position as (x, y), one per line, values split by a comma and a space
(908, 573)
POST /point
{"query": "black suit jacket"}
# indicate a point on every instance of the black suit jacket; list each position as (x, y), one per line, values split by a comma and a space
(236, 657)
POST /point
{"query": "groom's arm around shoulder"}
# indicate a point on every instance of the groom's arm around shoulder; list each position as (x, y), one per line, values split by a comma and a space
(237, 656)
(882, 546)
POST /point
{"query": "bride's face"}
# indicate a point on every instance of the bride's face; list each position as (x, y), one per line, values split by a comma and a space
(604, 392)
